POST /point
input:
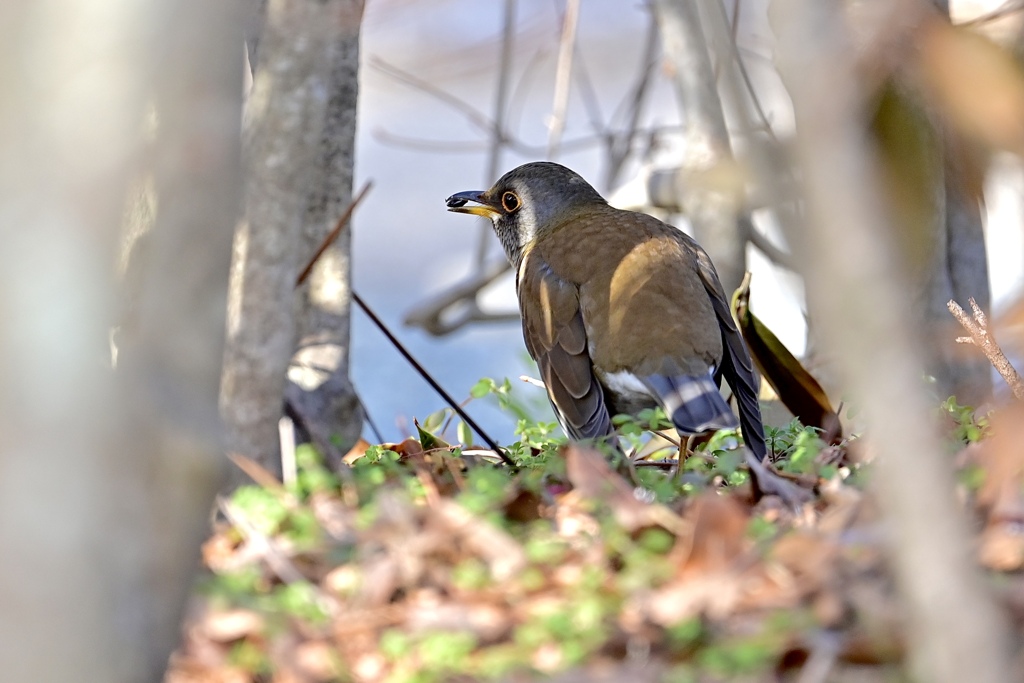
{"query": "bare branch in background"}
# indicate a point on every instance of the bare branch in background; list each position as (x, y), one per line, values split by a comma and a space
(1009, 7)
(450, 310)
(853, 285)
(711, 211)
(621, 146)
(982, 338)
(563, 77)
(472, 114)
(498, 135)
(741, 66)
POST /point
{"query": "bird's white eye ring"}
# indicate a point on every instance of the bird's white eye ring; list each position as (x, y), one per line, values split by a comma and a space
(510, 202)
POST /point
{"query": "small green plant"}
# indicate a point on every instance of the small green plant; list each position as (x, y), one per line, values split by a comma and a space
(967, 426)
(795, 447)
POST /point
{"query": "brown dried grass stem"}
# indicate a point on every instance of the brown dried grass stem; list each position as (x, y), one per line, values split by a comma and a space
(980, 337)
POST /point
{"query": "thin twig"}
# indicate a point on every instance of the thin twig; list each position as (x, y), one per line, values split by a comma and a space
(333, 234)
(621, 145)
(563, 76)
(435, 316)
(778, 256)
(478, 119)
(286, 433)
(391, 337)
(998, 13)
(431, 381)
(500, 115)
(257, 472)
(980, 337)
(741, 66)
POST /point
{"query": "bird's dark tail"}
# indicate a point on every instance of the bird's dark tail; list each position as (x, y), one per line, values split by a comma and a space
(694, 404)
(738, 371)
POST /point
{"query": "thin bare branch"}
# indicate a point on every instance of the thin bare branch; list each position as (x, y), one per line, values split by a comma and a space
(438, 316)
(779, 257)
(622, 145)
(563, 76)
(333, 234)
(498, 136)
(474, 115)
(1006, 9)
(432, 146)
(980, 337)
(744, 74)
(452, 403)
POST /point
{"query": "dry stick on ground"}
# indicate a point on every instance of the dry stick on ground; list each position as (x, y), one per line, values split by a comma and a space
(980, 337)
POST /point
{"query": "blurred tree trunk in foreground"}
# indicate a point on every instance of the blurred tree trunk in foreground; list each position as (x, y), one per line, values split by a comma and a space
(300, 125)
(107, 477)
(859, 293)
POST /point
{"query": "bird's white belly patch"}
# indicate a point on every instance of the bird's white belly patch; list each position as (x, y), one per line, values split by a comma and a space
(624, 382)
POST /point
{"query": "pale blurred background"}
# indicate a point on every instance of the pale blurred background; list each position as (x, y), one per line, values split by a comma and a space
(407, 248)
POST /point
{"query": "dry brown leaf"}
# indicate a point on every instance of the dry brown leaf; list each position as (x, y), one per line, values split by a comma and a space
(220, 550)
(316, 660)
(710, 579)
(357, 451)
(593, 478)
(502, 553)
(715, 595)
(809, 558)
(223, 627)
(334, 516)
(719, 533)
(1002, 546)
(1001, 456)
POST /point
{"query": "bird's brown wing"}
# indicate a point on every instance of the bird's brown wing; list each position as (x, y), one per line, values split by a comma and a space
(736, 366)
(557, 339)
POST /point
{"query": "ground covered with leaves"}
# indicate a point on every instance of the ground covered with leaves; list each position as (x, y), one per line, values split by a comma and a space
(427, 562)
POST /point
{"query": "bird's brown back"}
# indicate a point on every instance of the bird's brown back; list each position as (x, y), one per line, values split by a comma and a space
(644, 304)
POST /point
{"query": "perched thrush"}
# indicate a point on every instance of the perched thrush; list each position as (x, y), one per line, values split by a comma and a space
(621, 311)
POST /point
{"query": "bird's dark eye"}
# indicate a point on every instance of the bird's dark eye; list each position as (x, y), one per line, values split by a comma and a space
(510, 201)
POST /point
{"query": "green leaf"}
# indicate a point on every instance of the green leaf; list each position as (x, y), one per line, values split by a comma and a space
(482, 388)
(465, 434)
(433, 422)
(427, 439)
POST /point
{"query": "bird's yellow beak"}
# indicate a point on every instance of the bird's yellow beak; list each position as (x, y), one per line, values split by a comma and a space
(457, 204)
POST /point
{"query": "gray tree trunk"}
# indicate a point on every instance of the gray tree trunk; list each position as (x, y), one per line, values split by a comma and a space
(712, 211)
(299, 138)
(959, 270)
(319, 389)
(107, 476)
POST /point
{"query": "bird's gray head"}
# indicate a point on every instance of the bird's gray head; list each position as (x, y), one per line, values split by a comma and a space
(528, 201)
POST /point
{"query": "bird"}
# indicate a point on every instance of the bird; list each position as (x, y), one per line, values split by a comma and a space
(620, 310)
